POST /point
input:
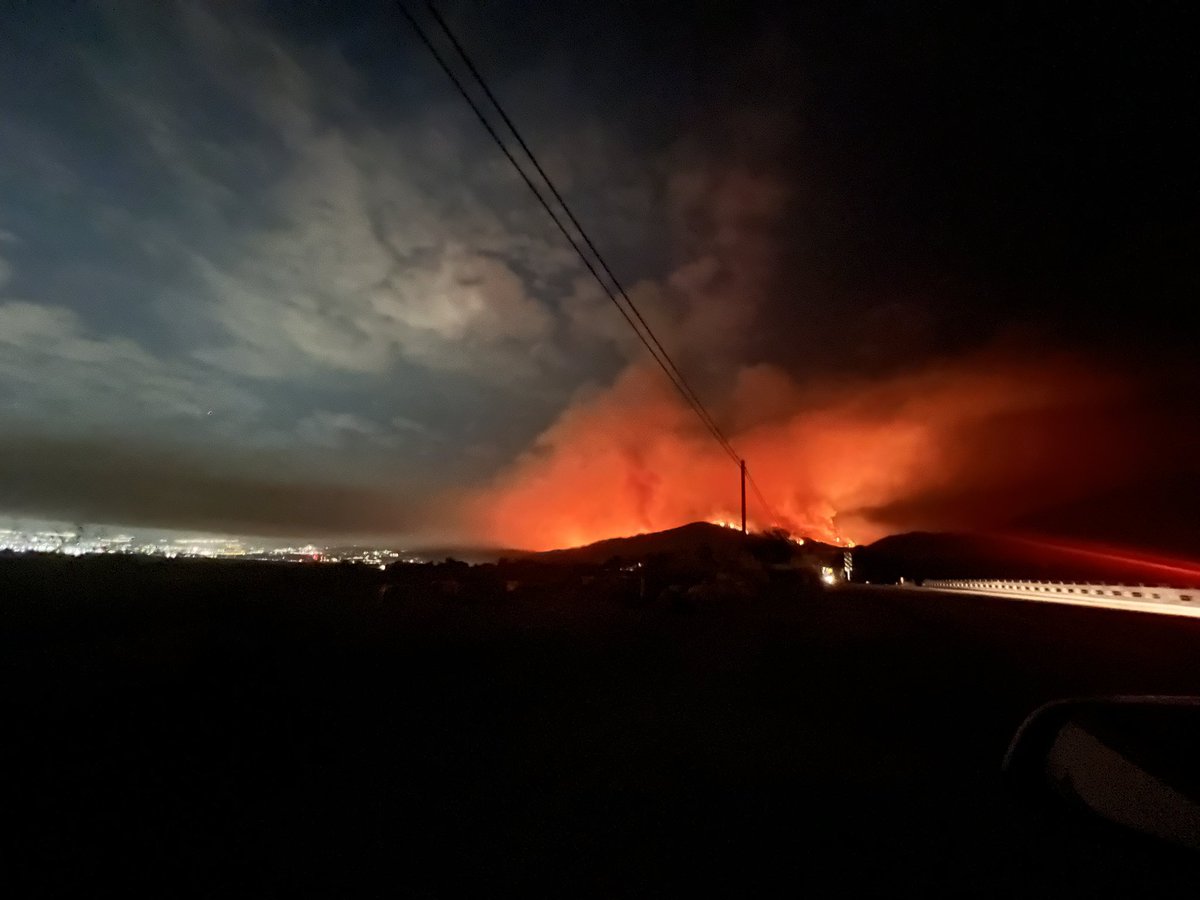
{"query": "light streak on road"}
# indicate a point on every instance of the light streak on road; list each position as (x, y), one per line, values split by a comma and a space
(1127, 598)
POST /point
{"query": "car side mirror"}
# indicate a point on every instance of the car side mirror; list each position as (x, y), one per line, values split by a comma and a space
(1133, 761)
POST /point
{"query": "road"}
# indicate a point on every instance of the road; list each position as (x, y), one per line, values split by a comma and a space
(849, 742)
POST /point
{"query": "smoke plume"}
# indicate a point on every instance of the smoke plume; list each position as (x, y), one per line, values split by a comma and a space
(972, 442)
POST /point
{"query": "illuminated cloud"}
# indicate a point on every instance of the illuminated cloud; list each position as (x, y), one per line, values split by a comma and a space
(48, 360)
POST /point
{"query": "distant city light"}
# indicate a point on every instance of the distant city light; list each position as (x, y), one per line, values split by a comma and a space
(72, 543)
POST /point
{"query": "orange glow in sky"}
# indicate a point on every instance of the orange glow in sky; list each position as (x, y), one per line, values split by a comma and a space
(840, 462)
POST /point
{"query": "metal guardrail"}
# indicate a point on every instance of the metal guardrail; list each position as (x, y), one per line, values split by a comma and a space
(1179, 601)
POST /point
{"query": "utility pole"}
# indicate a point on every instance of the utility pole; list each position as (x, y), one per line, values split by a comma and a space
(743, 468)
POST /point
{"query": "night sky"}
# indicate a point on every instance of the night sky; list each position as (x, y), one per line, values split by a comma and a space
(930, 265)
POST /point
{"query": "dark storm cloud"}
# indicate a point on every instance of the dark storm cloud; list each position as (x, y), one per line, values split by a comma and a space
(82, 481)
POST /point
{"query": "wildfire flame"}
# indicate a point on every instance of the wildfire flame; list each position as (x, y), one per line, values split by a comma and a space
(867, 458)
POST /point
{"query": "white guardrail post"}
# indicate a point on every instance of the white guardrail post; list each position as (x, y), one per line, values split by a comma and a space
(1119, 596)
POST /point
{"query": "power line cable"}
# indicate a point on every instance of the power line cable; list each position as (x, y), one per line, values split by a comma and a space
(653, 345)
(771, 514)
(682, 381)
(696, 406)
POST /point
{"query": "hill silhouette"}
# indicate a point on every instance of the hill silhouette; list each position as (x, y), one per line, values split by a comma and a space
(684, 539)
(687, 539)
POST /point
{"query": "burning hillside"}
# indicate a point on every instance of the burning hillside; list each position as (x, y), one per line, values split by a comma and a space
(974, 442)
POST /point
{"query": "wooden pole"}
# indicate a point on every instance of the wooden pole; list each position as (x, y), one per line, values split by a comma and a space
(743, 467)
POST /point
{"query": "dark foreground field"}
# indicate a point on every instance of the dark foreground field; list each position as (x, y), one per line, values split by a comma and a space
(203, 729)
